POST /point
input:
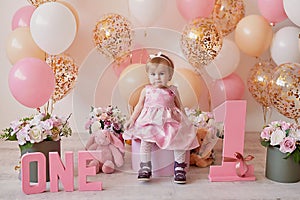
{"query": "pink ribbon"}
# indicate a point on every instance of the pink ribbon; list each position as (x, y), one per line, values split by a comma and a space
(241, 165)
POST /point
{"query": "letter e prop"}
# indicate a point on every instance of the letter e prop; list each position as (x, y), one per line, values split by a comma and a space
(84, 171)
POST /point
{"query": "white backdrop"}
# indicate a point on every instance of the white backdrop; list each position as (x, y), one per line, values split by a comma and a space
(89, 12)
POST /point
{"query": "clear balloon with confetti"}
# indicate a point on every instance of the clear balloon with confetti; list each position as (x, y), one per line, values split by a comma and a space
(112, 36)
(285, 90)
(201, 42)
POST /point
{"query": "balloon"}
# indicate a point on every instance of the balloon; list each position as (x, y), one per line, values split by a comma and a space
(146, 11)
(131, 80)
(226, 61)
(37, 3)
(31, 82)
(272, 10)
(72, 9)
(190, 86)
(113, 36)
(53, 27)
(227, 14)
(292, 11)
(22, 17)
(135, 56)
(200, 42)
(191, 9)
(253, 35)
(284, 47)
(65, 71)
(284, 90)
(21, 45)
(231, 87)
(258, 80)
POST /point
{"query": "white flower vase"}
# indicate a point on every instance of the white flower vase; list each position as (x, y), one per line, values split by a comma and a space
(279, 169)
(44, 147)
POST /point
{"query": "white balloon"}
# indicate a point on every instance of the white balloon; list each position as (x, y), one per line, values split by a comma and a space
(291, 8)
(146, 11)
(225, 62)
(284, 46)
(53, 27)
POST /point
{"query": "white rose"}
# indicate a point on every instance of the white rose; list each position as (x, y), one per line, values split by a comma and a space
(36, 134)
(295, 134)
(277, 137)
(96, 126)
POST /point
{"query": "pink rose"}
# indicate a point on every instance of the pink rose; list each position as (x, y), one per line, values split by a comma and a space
(288, 145)
(266, 133)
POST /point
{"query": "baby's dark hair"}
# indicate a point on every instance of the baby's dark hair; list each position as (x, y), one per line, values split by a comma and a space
(161, 58)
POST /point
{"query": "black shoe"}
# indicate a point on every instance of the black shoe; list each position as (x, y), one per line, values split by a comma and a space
(145, 171)
(179, 175)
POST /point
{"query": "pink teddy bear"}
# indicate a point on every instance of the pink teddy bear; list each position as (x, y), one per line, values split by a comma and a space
(107, 149)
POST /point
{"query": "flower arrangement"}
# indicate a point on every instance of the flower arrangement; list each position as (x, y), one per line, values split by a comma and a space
(200, 118)
(285, 136)
(109, 118)
(37, 128)
(204, 120)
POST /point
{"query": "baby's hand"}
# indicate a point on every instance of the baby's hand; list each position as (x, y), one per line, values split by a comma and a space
(128, 124)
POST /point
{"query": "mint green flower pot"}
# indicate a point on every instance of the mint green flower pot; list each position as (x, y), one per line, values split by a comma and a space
(279, 169)
(44, 147)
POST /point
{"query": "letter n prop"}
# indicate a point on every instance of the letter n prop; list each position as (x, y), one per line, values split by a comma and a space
(65, 173)
(233, 114)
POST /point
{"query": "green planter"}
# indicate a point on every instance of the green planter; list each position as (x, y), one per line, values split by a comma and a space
(44, 147)
(279, 169)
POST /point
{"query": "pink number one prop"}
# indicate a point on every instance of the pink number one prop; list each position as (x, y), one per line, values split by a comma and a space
(233, 114)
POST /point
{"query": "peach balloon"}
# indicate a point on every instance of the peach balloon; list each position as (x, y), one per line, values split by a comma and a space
(253, 35)
(131, 79)
(21, 45)
(190, 86)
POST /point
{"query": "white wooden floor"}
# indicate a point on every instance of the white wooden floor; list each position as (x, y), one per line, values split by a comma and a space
(123, 184)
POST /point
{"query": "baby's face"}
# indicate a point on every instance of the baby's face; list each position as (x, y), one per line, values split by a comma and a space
(159, 75)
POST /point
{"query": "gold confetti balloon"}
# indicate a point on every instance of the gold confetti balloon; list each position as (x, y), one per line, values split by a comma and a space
(284, 90)
(227, 14)
(65, 71)
(200, 42)
(112, 36)
(36, 3)
(258, 80)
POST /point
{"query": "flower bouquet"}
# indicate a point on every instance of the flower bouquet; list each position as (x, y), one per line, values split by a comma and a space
(37, 128)
(282, 140)
(109, 118)
(285, 136)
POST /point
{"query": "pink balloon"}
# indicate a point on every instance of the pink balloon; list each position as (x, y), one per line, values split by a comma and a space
(191, 9)
(22, 17)
(272, 10)
(31, 82)
(231, 87)
(137, 56)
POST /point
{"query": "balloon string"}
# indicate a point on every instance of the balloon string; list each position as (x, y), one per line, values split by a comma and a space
(266, 114)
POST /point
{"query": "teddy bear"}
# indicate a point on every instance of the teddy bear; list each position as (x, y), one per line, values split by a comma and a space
(196, 157)
(107, 150)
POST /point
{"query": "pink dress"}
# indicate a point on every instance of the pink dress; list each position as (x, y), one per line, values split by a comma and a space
(161, 122)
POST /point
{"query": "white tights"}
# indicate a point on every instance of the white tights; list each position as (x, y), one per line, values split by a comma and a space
(145, 153)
